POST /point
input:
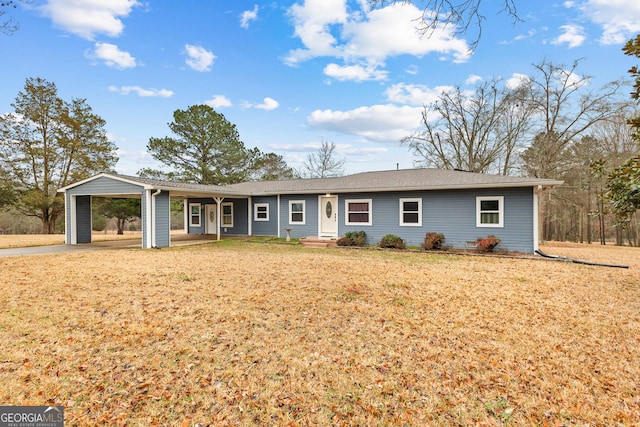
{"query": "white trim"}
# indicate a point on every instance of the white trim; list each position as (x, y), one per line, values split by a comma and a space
(321, 215)
(479, 200)
(148, 220)
(346, 211)
(191, 216)
(278, 213)
(232, 215)
(249, 222)
(255, 211)
(106, 175)
(74, 219)
(536, 229)
(304, 212)
(402, 211)
(185, 212)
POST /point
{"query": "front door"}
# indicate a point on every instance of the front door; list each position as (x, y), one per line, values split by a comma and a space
(328, 216)
(212, 224)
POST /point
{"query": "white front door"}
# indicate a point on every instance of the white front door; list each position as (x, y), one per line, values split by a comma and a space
(328, 216)
(210, 212)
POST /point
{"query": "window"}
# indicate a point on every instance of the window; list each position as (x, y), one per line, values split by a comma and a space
(227, 214)
(261, 212)
(411, 212)
(358, 212)
(490, 211)
(194, 214)
(296, 212)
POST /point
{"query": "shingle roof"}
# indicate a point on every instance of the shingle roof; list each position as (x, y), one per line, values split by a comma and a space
(392, 180)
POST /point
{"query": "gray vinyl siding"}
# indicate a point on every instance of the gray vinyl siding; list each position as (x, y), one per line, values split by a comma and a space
(452, 213)
(310, 227)
(240, 218)
(106, 186)
(265, 228)
(83, 219)
(203, 219)
(163, 216)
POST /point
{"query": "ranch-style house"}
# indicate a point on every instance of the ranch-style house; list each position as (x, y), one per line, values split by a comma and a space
(407, 202)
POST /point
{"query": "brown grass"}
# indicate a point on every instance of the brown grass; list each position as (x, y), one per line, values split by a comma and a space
(239, 333)
(25, 240)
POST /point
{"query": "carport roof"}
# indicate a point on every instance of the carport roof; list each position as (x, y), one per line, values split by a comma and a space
(178, 188)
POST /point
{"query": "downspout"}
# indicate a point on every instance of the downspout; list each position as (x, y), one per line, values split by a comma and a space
(153, 217)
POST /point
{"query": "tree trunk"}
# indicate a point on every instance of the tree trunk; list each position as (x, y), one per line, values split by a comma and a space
(120, 223)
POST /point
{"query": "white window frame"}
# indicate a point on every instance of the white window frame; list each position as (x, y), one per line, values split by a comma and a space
(347, 211)
(191, 215)
(222, 215)
(256, 211)
(304, 212)
(500, 211)
(402, 212)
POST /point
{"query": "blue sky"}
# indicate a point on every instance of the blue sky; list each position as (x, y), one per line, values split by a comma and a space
(292, 74)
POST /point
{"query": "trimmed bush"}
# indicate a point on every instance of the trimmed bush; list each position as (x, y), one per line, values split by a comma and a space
(392, 241)
(487, 244)
(352, 238)
(433, 241)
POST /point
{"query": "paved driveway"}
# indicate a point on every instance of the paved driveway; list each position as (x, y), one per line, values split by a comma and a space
(180, 240)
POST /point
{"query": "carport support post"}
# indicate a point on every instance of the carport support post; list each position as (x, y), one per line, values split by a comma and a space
(218, 201)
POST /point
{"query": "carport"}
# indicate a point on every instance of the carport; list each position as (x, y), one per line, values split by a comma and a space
(155, 197)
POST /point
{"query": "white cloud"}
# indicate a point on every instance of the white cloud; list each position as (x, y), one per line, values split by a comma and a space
(516, 80)
(267, 104)
(417, 95)
(218, 101)
(573, 36)
(199, 59)
(86, 18)
(378, 123)
(619, 19)
(367, 36)
(473, 79)
(126, 90)
(112, 56)
(247, 16)
(356, 73)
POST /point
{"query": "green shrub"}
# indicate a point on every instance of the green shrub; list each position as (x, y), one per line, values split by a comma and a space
(352, 238)
(433, 241)
(487, 244)
(392, 241)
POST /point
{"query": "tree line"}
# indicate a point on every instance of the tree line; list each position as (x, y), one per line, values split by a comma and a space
(551, 124)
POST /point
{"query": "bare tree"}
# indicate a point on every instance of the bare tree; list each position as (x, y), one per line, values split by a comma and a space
(567, 109)
(477, 132)
(464, 15)
(323, 163)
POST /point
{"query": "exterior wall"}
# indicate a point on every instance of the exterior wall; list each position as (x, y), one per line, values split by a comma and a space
(202, 201)
(452, 213)
(240, 218)
(83, 219)
(163, 220)
(265, 228)
(104, 185)
(310, 226)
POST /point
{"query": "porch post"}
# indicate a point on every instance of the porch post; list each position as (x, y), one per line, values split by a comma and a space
(218, 201)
